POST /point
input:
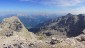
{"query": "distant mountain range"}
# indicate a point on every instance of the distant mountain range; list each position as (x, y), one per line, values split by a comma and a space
(31, 21)
(69, 25)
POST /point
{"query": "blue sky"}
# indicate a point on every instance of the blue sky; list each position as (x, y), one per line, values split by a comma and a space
(42, 6)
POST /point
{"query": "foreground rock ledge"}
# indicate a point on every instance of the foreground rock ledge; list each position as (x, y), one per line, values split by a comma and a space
(13, 34)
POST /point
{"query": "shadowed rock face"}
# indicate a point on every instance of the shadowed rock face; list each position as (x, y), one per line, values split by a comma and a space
(73, 25)
(69, 25)
(77, 28)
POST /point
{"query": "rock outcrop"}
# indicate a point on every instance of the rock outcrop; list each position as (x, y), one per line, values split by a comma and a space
(13, 26)
(12, 30)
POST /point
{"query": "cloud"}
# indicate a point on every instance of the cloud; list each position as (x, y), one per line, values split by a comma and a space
(80, 10)
(58, 2)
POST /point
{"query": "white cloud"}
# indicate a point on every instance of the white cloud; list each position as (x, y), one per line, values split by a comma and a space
(80, 10)
(58, 2)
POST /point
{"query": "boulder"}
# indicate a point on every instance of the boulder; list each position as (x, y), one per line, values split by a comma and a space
(80, 37)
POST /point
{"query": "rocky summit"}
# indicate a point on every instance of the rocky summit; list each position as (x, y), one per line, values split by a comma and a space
(13, 34)
(12, 30)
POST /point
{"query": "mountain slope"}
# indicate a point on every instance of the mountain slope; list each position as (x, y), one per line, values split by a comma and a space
(69, 25)
(13, 26)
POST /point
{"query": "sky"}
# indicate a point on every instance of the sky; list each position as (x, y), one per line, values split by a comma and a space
(42, 6)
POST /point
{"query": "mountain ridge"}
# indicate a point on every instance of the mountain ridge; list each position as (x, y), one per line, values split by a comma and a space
(70, 25)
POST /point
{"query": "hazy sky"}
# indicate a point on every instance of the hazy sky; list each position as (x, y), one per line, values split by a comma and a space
(42, 6)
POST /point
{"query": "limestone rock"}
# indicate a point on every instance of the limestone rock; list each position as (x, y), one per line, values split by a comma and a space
(12, 26)
(80, 37)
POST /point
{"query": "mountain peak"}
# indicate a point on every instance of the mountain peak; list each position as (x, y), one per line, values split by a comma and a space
(12, 26)
(69, 14)
(81, 15)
